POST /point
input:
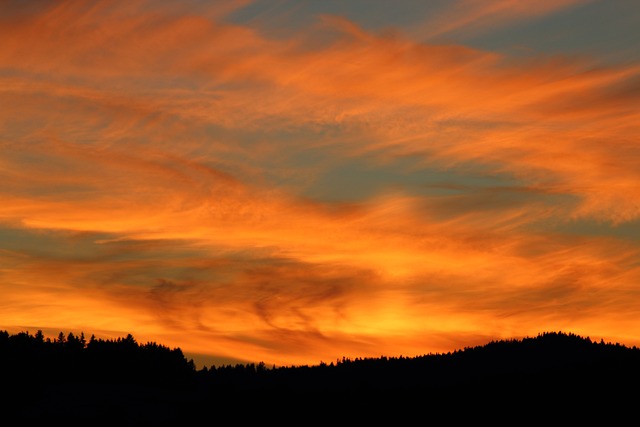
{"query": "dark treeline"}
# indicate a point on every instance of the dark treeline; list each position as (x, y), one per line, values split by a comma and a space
(514, 360)
(552, 365)
(33, 359)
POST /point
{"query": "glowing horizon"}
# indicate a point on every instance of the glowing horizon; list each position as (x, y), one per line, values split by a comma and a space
(296, 182)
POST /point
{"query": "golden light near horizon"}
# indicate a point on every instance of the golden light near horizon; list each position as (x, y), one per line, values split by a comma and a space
(291, 183)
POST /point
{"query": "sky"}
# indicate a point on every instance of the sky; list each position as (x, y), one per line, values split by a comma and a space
(294, 182)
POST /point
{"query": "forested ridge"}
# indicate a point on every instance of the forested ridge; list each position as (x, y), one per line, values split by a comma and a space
(93, 374)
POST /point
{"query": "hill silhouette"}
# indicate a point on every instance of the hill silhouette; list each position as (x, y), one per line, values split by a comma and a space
(104, 382)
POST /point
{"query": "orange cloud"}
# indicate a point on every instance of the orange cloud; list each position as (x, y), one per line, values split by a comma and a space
(449, 103)
(354, 283)
(152, 136)
(471, 17)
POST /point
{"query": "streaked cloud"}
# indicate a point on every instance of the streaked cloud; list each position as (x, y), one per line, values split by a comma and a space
(299, 195)
(473, 17)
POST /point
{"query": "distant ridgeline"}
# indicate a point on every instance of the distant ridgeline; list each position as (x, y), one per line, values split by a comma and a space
(72, 358)
(73, 381)
(549, 358)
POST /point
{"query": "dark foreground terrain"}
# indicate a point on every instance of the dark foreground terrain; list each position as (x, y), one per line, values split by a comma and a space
(552, 378)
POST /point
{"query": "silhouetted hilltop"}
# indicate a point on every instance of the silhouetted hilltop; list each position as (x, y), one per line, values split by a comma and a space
(34, 359)
(560, 359)
(110, 377)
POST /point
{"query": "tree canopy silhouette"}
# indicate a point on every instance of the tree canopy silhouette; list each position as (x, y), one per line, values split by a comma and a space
(43, 373)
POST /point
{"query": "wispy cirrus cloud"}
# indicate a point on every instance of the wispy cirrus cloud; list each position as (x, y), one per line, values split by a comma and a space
(163, 155)
(473, 17)
(452, 102)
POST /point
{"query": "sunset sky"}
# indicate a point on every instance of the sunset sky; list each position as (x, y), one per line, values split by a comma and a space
(300, 181)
